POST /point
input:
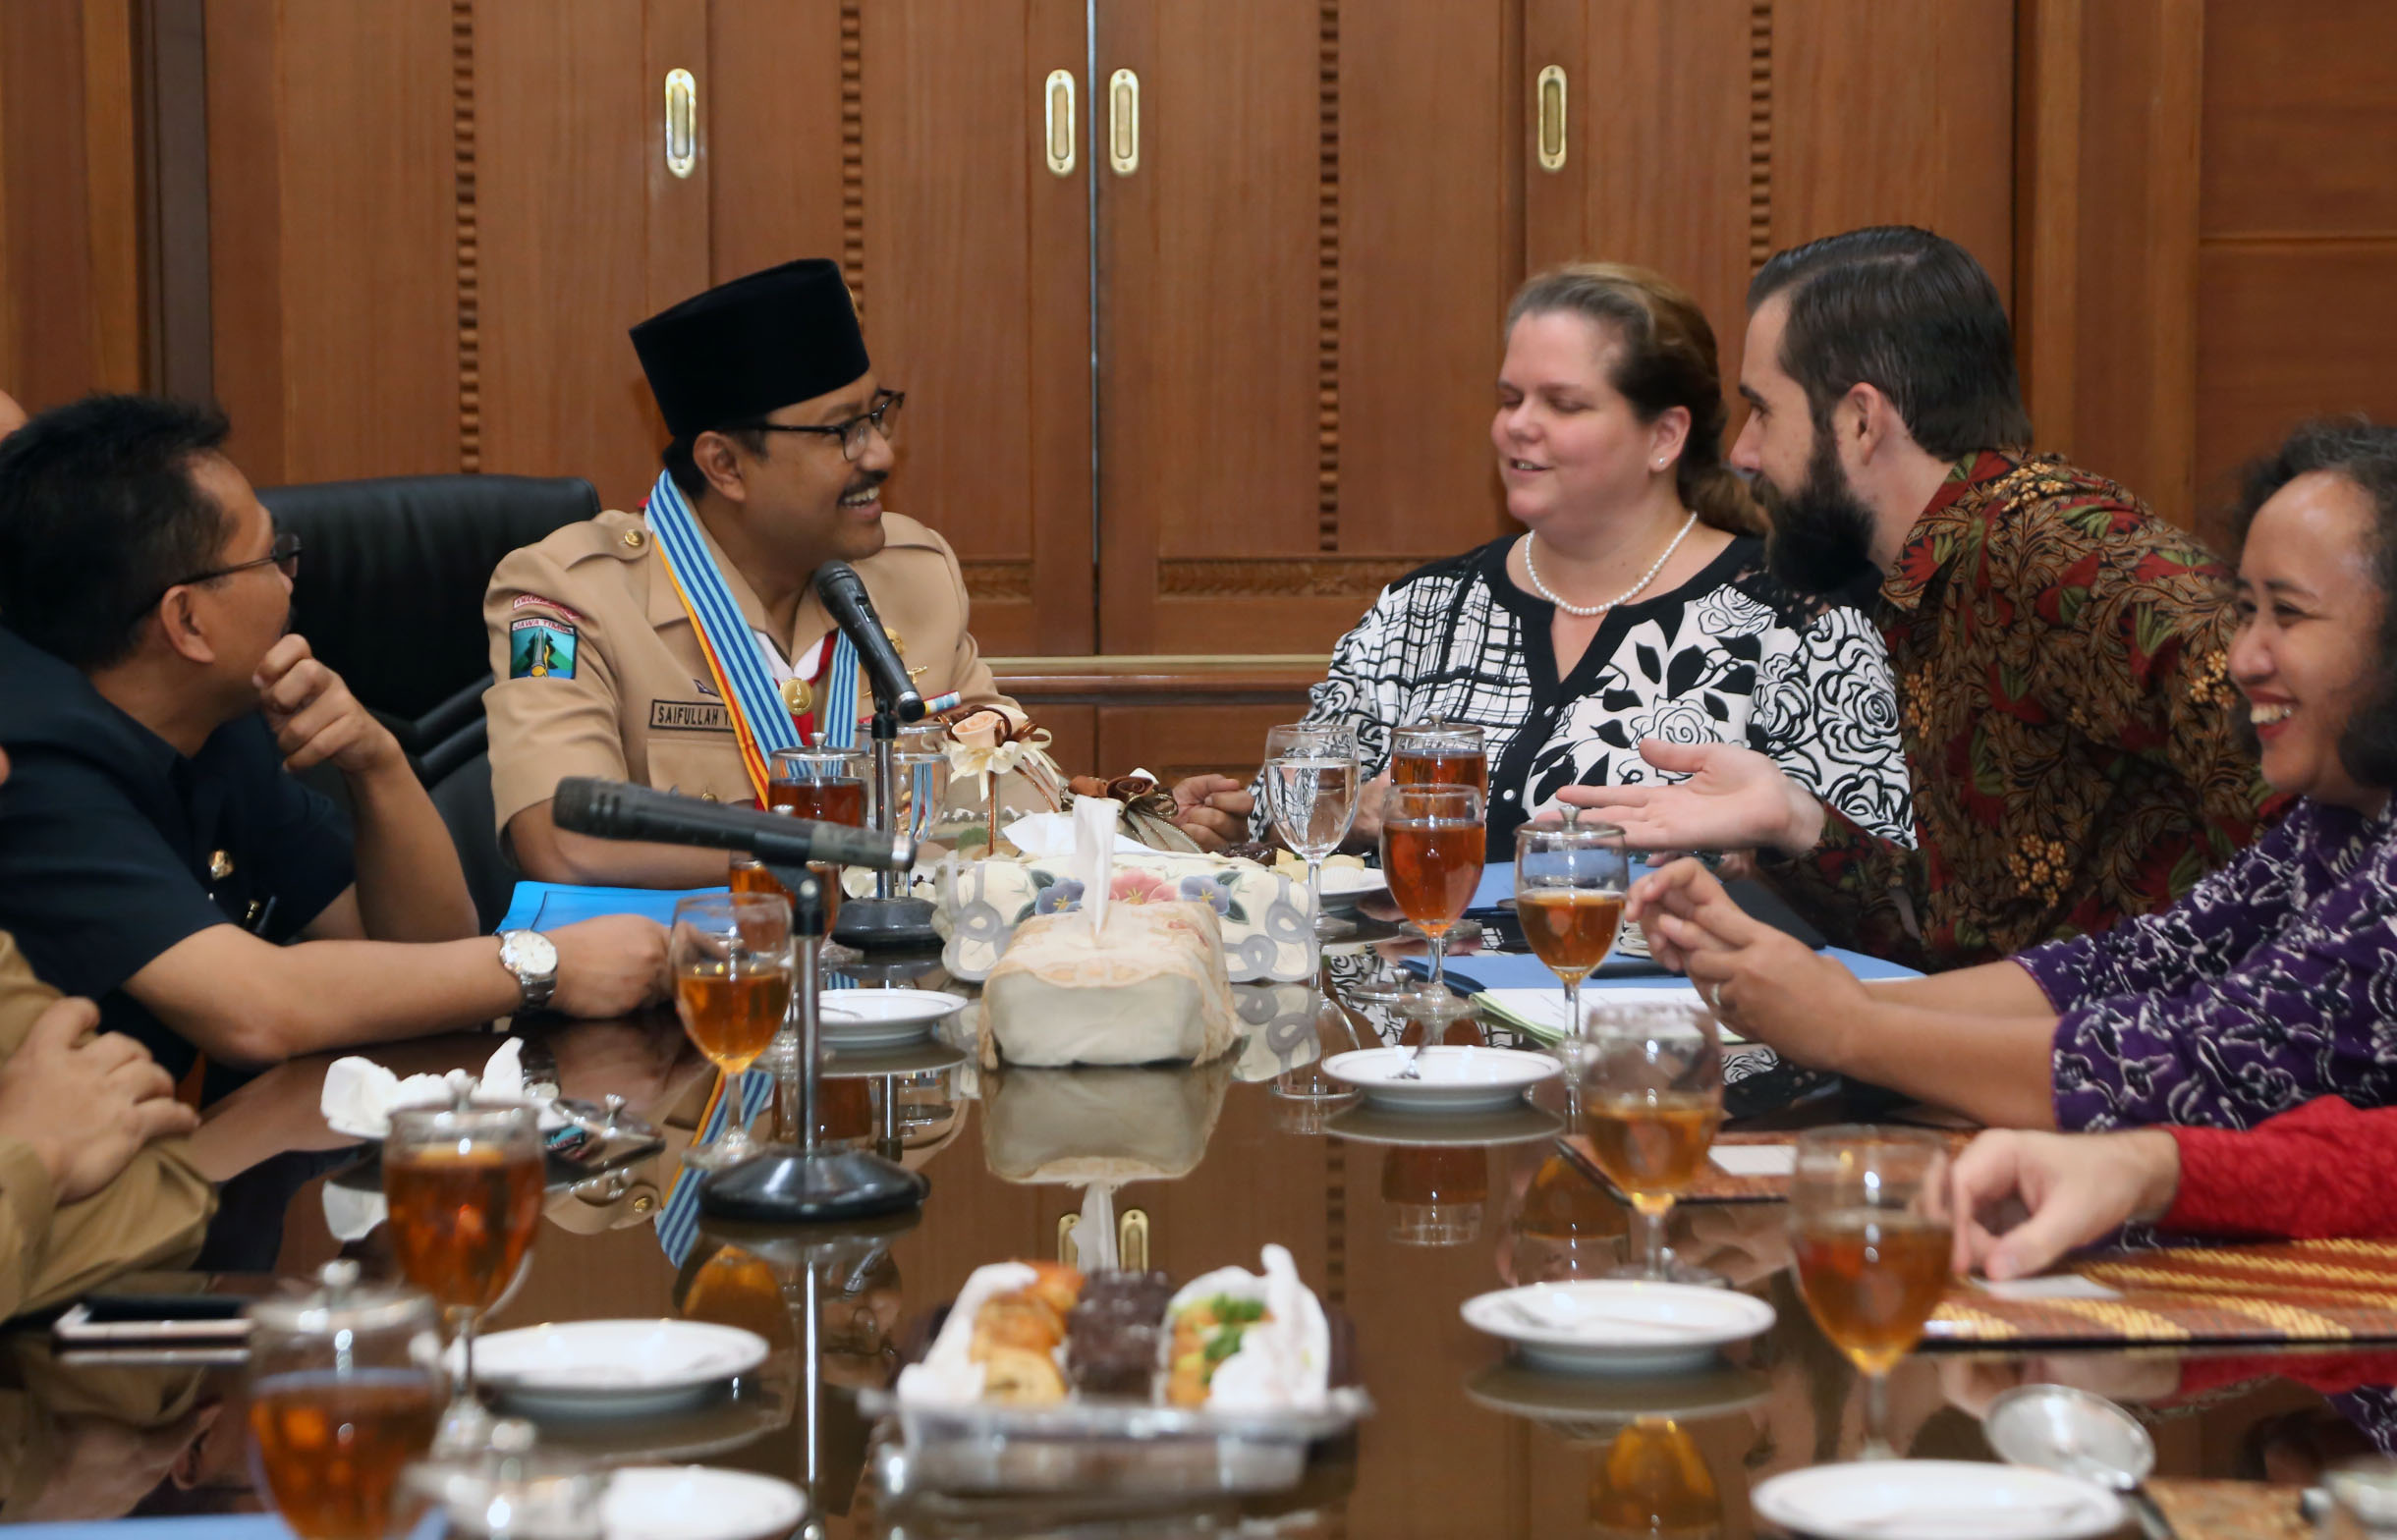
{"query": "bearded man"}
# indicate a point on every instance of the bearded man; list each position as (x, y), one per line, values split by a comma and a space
(2067, 720)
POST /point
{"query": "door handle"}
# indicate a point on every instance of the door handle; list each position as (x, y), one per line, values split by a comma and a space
(1059, 95)
(1124, 123)
(1551, 91)
(682, 123)
(1130, 1239)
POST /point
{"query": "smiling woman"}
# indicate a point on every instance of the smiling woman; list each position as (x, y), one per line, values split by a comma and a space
(2268, 986)
(1637, 605)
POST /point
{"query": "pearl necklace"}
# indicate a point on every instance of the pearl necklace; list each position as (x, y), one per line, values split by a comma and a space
(1585, 611)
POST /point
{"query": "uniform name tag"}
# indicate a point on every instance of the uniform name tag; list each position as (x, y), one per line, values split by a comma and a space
(689, 716)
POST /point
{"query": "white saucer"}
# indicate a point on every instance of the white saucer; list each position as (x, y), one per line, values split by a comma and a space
(874, 1018)
(698, 1503)
(1608, 1326)
(1451, 1080)
(613, 1368)
(1935, 1500)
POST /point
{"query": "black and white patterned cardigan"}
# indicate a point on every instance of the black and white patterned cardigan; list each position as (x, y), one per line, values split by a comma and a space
(1733, 655)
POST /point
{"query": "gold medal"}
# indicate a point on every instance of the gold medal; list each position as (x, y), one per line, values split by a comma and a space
(898, 643)
(797, 696)
(220, 865)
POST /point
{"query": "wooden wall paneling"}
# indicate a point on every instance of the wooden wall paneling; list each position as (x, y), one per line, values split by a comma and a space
(773, 121)
(1210, 264)
(170, 111)
(1057, 219)
(1424, 271)
(952, 143)
(2048, 212)
(243, 45)
(69, 316)
(2136, 267)
(1918, 128)
(2296, 260)
(566, 119)
(1113, 714)
(676, 35)
(1660, 162)
(1185, 740)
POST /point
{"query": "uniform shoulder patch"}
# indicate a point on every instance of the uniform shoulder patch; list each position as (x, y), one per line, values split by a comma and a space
(540, 647)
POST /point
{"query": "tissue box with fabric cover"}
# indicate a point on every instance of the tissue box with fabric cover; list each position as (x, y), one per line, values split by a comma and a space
(1149, 987)
(1266, 923)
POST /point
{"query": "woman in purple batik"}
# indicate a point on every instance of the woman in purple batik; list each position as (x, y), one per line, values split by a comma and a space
(2273, 983)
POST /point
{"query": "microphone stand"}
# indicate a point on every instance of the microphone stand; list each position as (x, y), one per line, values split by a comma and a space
(809, 1184)
(890, 919)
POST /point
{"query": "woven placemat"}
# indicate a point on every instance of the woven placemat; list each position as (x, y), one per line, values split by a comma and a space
(2293, 1291)
(2230, 1510)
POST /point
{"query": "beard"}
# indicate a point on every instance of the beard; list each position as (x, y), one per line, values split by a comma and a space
(1821, 535)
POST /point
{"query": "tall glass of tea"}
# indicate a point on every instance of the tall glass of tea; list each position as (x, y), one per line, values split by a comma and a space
(345, 1386)
(1310, 795)
(1570, 881)
(1434, 842)
(1871, 1238)
(1439, 753)
(729, 953)
(1652, 1100)
(827, 786)
(463, 1183)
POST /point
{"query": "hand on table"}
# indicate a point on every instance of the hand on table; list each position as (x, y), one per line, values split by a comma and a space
(1213, 810)
(1763, 983)
(1729, 798)
(2021, 1199)
(85, 1102)
(314, 715)
(611, 965)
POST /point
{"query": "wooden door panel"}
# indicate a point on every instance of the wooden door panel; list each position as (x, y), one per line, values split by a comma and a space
(568, 103)
(335, 237)
(1298, 294)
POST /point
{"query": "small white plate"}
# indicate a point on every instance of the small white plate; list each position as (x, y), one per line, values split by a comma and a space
(861, 1017)
(1609, 1326)
(698, 1503)
(1935, 1500)
(1344, 886)
(1448, 1080)
(614, 1368)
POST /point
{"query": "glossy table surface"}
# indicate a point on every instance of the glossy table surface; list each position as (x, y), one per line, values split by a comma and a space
(1217, 1161)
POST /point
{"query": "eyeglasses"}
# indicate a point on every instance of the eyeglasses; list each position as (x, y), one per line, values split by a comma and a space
(283, 554)
(880, 418)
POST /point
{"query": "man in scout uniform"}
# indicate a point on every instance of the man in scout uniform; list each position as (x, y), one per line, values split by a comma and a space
(680, 648)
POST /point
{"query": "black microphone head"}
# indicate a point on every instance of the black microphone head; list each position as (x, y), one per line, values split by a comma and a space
(838, 574)
(578, 802)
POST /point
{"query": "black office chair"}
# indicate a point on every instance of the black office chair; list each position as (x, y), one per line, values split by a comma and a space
(392, 574)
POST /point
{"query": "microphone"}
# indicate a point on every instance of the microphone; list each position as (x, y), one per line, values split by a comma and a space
(618, 810)
(843, 591)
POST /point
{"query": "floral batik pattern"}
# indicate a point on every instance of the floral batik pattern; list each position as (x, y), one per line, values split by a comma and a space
(2066, 714)
(1730, 656)
(2273, 983)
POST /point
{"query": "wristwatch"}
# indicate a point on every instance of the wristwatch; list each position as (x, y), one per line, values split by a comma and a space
(530, 955)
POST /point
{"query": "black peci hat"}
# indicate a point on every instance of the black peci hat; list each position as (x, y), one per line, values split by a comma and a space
(745, 347)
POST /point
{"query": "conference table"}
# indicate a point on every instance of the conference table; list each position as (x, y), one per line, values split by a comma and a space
(1393, 1226)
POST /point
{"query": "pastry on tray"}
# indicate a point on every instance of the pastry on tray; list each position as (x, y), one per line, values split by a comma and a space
(1031, 1334)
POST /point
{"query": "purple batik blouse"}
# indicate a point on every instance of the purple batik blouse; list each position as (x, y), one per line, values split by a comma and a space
(2272, 982)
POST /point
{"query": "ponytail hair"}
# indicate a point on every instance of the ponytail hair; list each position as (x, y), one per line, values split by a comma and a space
(1666, 359)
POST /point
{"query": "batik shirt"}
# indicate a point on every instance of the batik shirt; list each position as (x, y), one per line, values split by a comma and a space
(2273, 982)
(1730, 656)
(2067, 719)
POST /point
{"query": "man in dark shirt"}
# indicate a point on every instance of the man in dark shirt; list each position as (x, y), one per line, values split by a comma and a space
(156, 854)
(2068, 721)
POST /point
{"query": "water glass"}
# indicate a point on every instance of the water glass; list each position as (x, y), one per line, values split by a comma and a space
(1312, 788)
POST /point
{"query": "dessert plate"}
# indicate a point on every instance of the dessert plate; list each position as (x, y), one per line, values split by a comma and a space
(614, 1368)
(1607, 1326)
(1448, 1080)
(863, 1018)
(1937, 1500)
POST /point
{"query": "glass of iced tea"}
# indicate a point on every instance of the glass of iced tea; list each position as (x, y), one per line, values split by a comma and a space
(1439, 753)
(1873, 1246)
(463, 1184)
(827, 786)
(1569, 880)
(1434, 842)
(1651, 1099)
(729, 953)
(345, 1386)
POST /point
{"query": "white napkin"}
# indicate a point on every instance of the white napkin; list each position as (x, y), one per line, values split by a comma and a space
(360, 1094)
(351, 1212)
(1095, 820)
(1756, 1160)
(1051, 835)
